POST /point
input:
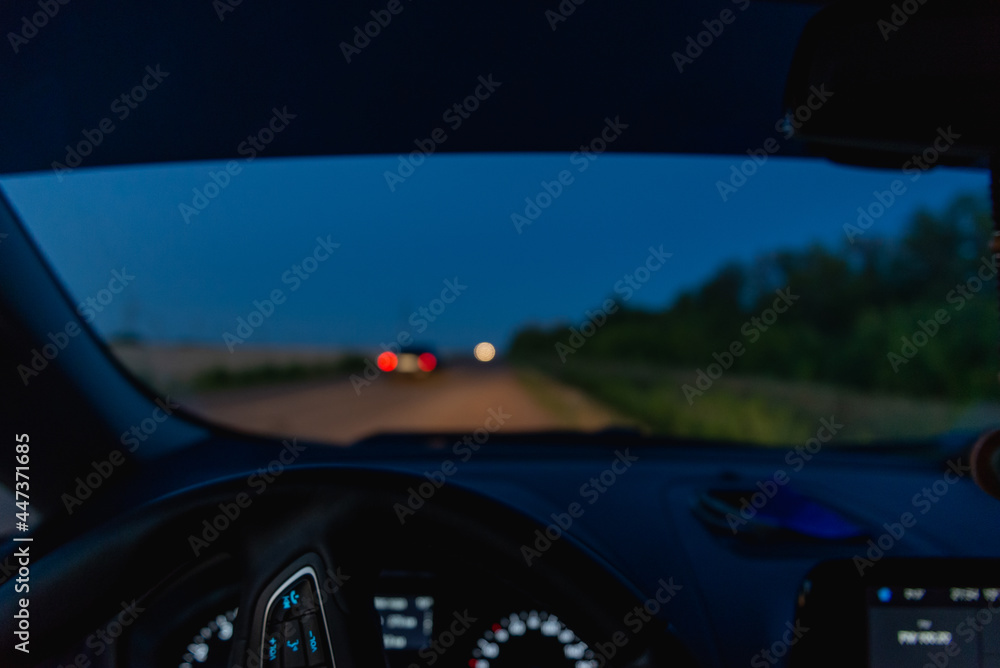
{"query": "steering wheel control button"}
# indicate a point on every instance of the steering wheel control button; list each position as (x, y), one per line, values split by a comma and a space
(296, 634)
(293, 651)
(312, 635)
(295, 600)
(272, 648)
(290, 603)
(305, 598)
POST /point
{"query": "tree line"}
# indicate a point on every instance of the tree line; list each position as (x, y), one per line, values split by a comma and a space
(912, 315)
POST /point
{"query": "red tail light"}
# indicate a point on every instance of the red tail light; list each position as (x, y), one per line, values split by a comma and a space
(427, 362)
(387, 361)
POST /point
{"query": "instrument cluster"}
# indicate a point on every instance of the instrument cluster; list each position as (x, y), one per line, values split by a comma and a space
(428, 620)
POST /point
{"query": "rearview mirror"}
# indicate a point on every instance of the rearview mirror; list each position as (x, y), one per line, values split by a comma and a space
(877, 83)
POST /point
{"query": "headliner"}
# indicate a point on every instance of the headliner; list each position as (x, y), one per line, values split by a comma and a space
(225, 76)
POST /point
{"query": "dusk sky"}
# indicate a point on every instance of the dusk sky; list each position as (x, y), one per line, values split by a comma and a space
(450, 218)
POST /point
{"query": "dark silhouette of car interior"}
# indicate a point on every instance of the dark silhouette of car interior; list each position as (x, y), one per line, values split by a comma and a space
(650, 576)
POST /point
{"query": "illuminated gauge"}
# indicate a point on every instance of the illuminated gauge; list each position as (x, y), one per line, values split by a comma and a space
(531, 639)
(210, 646)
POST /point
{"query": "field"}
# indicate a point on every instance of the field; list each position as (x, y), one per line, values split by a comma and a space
(760, 410)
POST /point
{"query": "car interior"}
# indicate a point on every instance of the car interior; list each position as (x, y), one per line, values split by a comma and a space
(590, 443)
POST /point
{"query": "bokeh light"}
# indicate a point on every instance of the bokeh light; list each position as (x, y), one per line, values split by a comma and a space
(484, 351)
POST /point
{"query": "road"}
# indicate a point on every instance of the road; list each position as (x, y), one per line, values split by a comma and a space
(453, 400)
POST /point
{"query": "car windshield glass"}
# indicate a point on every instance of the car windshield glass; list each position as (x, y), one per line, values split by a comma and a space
(750, 299)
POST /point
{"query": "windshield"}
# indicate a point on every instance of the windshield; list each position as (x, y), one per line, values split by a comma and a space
(756, 300)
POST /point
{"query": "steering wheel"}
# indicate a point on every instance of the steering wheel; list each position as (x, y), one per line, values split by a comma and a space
(309, 548)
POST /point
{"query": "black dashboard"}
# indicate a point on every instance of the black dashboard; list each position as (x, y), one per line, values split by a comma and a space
(455, 615)
(465, 617)
(510, 563)
(458, 616)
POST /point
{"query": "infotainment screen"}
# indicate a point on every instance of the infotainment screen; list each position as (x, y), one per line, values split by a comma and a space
(913, 626)
(900, 612)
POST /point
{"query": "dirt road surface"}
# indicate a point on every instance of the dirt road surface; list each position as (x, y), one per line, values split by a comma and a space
(455, 400)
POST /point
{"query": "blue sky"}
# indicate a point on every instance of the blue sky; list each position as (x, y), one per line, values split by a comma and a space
(450, 218)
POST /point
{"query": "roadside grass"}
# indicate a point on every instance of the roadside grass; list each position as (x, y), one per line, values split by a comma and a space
(569, 405)
(222, 378)
(750, 408)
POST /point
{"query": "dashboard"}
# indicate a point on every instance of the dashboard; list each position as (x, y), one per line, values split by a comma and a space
(491, 572)
(445, 615)
(326, 562)
(906, 617)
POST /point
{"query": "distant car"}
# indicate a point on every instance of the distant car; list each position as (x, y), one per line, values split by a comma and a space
(410, 360)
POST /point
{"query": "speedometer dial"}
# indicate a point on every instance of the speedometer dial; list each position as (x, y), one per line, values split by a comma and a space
(529, 640)
(210, 646)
